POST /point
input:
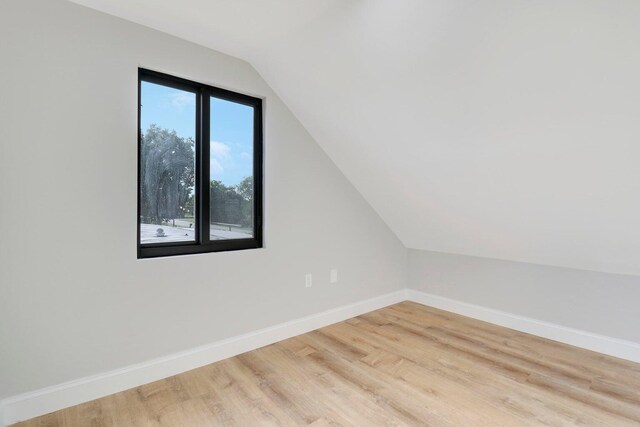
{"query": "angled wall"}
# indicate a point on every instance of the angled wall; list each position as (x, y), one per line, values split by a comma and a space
(500, 129)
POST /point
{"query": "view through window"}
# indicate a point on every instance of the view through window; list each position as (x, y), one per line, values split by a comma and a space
(231, 197)
(167, 173)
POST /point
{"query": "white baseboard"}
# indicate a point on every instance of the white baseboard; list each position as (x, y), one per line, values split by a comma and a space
(49, 399)
(602, 344)
(40, 402)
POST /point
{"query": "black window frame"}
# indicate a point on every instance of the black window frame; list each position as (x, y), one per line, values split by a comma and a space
(202, 242)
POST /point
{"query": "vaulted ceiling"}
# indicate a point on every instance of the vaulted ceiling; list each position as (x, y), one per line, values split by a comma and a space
(498, 128)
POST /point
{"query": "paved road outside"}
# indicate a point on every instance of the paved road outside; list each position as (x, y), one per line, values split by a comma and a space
(182, 233)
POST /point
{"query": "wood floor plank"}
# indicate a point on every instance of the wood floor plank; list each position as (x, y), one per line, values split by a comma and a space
(403, 365)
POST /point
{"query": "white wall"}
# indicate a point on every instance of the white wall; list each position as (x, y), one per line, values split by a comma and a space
(600, 303)
(75, 300)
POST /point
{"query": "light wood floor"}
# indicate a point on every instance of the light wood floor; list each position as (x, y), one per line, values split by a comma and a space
(407, 364)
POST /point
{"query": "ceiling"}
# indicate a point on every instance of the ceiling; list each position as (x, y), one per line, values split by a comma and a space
(497, 128)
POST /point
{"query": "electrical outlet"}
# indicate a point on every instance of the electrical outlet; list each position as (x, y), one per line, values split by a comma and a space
(333, 276)
(308, 280)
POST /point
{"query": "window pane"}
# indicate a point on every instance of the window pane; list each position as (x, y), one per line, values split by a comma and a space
(167, 164)
(231, 191)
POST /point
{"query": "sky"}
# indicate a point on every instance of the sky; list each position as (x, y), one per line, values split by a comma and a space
(231, 142)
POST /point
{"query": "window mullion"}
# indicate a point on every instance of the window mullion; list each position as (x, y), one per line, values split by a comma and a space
(204, 164)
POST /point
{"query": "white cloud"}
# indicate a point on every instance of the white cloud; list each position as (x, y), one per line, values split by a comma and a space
(180, 100)
(245, 155)
(219, 150)
(216, 167)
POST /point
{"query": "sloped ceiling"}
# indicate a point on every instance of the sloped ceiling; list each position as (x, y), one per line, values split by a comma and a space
(498, 128)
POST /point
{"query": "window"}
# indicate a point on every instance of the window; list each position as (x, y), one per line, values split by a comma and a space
(199, 168)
